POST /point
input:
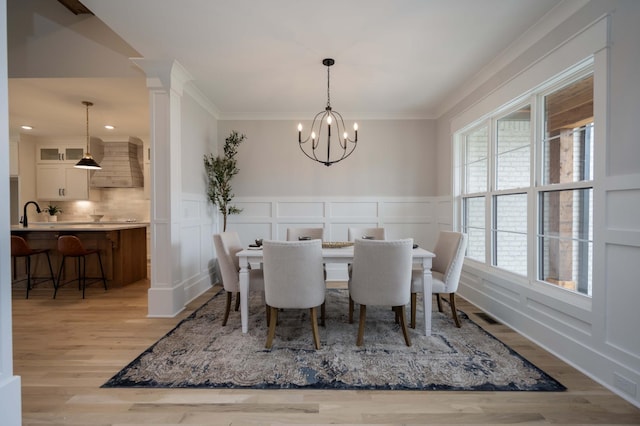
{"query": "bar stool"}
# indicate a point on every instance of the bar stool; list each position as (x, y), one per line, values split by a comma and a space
(71, 246)
(20, 248)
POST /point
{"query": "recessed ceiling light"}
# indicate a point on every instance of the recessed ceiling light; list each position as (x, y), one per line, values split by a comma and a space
(25, 127)
(109, 127)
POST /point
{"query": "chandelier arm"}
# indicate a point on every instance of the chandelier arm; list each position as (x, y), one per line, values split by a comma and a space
(341, 130)
(313, 124)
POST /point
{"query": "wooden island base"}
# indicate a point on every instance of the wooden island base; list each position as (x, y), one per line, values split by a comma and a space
(123, 249)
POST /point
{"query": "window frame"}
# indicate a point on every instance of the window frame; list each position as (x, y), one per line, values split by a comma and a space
(536, 188)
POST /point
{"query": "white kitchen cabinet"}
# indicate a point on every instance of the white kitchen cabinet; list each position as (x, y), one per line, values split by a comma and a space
(51, 154)
(61, 182)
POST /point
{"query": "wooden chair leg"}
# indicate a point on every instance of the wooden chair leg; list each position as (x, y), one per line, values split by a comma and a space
(439, 302)
(363, 315)
(314, 328)
(227, 308)
(414, 302)
(323, 314)
(237, 301)
(350, 310)
(267, 312)
(272, 327)
(403, 324)
(454, 311)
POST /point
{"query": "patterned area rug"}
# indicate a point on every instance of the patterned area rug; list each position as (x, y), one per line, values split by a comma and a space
(200, 353)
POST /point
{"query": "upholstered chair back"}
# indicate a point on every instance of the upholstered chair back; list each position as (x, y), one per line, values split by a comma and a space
(19, 246)
(293, 274)
(366, 233)
(450, 249)
(381, 272)
(227, 244)
(296, 234)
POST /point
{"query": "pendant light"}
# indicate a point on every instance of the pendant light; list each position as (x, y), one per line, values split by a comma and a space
(87, 162)
(343, 145)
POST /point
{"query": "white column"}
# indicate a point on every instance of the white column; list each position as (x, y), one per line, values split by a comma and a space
(165, 80)
(10, 398)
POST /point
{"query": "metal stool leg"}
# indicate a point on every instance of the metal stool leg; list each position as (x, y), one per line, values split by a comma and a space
(84, 275)
(28, 262)
(53, 280)
(57, 285)
(104, 279)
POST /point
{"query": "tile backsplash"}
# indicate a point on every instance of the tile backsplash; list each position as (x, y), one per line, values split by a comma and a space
(116, 204)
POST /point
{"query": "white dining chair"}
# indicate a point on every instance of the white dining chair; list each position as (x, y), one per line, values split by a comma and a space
(293, 279)
(227, 244)
(446, 269)
(381, 276)
(298, 234)
(354, 233)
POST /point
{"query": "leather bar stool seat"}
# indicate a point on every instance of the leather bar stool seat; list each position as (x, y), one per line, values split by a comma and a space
(20, 248)
(71, 246)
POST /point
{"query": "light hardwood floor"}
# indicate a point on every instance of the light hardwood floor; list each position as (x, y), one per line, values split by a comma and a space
(65, 349)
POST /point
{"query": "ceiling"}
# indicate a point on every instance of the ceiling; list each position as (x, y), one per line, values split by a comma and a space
(263, 59)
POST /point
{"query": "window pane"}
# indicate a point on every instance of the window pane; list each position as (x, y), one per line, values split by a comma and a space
(474, 227)
(566, 242)
(511, 233)
(475, 169)
(513, 148)
(568, 142)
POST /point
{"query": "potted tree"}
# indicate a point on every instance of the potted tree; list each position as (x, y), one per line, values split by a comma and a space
(220, 171)
(53, 210)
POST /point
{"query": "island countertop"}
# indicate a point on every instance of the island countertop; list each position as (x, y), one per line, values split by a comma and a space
(77, 226)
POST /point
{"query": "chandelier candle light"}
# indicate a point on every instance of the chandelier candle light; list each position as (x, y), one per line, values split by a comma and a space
(345, 145)
(87, 162)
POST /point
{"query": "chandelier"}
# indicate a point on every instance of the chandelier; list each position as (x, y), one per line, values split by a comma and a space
(87, 162)
(313, 146)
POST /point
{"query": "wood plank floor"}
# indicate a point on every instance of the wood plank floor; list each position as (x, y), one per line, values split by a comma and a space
(65, 349)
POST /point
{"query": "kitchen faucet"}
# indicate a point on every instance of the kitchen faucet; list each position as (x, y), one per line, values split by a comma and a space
(25, 222)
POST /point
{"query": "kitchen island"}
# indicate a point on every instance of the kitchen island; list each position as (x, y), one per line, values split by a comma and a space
(123, 247)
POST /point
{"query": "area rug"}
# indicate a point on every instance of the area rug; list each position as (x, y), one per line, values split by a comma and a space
(200, 353)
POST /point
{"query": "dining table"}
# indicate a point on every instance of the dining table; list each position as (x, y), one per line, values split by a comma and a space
(332, 254)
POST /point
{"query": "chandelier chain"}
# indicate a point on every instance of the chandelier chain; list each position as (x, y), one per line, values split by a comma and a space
(328, 91)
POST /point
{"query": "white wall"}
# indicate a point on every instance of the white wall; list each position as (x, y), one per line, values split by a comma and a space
(393, 158)
(197, 224)
(596, 335)
(199, 132)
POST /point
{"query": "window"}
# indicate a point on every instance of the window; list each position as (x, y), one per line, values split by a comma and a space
(473, 226)
(476, 164)
(513, 148)
(475, 169)
(566, 216)
(510, 233)
(520, 192)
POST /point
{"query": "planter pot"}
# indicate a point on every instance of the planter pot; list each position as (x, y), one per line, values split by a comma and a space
(53, 218)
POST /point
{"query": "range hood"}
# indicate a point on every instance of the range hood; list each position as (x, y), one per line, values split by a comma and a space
(120, 167)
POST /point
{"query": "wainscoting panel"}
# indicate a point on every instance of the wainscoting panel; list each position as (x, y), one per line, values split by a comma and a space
(256, 209)
(403, 217)
(350, 210)
(299, 209)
